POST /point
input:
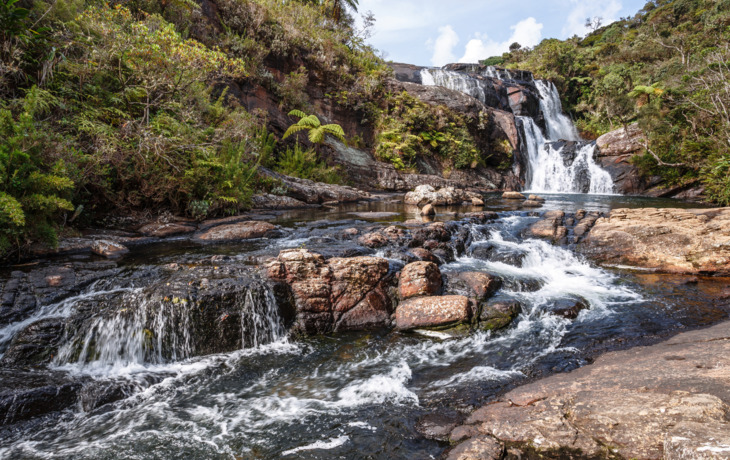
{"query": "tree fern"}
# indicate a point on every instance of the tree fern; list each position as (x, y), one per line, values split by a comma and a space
(317, 131)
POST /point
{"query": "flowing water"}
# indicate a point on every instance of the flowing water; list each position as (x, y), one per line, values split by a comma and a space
(354, 395)
(552, 166)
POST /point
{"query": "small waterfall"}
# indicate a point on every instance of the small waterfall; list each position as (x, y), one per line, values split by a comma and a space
(550, 169)
(146, 328)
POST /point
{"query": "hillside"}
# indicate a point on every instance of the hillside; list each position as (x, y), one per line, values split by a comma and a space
(666, 69)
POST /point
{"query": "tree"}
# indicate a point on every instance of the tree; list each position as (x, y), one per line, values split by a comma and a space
(338, 6)
(317, 131)
(594, 23)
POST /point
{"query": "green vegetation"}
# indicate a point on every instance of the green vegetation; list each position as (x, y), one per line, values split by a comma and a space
(131, 105)
(409, 128)
(315, 129)
(666, 68)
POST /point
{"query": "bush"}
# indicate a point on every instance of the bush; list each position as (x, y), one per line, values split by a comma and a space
(305, 164)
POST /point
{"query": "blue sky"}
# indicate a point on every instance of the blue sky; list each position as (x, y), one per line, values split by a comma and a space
(436, 32)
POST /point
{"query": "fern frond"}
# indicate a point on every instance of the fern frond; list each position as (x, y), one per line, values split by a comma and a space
(335, 130)
(297, 113)
(292, 130)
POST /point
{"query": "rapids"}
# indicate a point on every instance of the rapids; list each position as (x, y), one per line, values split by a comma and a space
(349, 395)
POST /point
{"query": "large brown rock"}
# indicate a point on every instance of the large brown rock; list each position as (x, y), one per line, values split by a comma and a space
(477, 285)
(663, 401)
(239, 231)
(668, 240)
(432, 312)
(336, 294)
(550, 227)
(162, 229)
(109, 249)
(419, 279)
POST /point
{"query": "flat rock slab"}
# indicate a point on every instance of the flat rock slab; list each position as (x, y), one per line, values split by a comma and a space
(663, 401)
(693, 241)
(239, 231)
(432, 311)
(161, 230)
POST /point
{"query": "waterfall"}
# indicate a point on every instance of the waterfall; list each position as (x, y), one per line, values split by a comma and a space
(551, 168)
(144, 327)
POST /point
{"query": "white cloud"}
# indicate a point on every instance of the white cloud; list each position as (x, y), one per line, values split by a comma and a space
(582, 9)
(443, 46)
(527, 32)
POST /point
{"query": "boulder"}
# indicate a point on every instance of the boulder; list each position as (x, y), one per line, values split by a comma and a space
(550, 227)
(499, 314)
(476, 285)
(690, 241)
(419, 279)
(239, 231)
(28, 394)
(615, 152)
(536, 198)
(424, 255)
(383, 237)
(497, 253)
(425, 312)
(108, 249)
(568, 307)
(336, 294)
(36, 344)
(426, 194)
(513, 196)
(532, 203)
(428, 210)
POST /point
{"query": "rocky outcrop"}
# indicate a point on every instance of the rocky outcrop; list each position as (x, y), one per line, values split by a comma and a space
(429, 312)
(669, 240)
(614, 154)
(165, 229)
(550, 227)
(666, 401)
(239, 231)
(426, 194)
(310, 192)
(336, 294)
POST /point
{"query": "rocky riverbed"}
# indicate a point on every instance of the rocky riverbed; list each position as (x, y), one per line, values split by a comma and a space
(212, 339)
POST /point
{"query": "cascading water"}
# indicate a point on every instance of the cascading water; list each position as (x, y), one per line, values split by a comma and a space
(148, 329)
(551, 169)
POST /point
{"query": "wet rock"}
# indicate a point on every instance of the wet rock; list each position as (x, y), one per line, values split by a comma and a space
(424, 255)
(419, 279)
(96, 394)
(383, 237)
(585, 224)
(436, 231)
(523, 284)
(690, 241)
(438, 426)
(428, 210)
(615, 152)
(549, 227)
(477, 202)
(162, 230)
(36, 344)
(481, 217)
(444, 253)
(476, 285)
(24, 291)
(425, 312)
(513, 196)
(336, 294)
(536, 198)
(477, 448)
(499, 314)
(108, 249)
(28, 394)
(239, 231)
(496, 253)
(350, 232)
(569, 307)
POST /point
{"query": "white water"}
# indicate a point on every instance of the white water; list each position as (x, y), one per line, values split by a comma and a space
(286, 398)
(546, 172)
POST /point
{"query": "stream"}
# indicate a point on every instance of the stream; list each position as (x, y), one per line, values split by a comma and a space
(345, 395)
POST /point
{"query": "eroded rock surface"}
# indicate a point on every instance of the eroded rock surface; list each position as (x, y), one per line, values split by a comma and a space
(335, 294)
(433, 312)
(239, 231)
(668, 240)
(663, 401)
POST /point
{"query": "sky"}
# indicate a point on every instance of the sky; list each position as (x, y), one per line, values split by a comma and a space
(437, 32)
